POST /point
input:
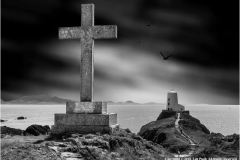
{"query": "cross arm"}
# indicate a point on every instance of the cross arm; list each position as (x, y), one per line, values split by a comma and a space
(69, 33)
(104, 32)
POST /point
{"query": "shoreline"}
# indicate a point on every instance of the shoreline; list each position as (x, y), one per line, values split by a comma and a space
(132, 117)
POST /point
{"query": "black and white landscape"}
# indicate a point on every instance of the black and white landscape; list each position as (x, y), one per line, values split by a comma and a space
(168, 70)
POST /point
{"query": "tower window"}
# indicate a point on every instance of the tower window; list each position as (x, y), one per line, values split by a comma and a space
(168, 99)
(168, 103)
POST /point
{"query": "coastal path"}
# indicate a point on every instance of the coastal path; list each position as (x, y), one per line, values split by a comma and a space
(183, 134)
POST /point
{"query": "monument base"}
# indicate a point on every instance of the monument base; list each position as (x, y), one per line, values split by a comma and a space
(86, 107)
(106, 119)
(85, 118)
(62, 129)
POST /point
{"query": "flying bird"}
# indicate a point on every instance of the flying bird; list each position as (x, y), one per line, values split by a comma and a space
(139, 42)
(150, 24)
(165, 58)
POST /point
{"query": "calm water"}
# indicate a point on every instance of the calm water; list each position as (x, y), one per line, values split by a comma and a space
(217, 118)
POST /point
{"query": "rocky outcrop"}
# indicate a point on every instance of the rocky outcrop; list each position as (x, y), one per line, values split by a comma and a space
(121, 144)
(21, 117)
(34, 130)
(232, 144)
(10, 131)
(187, 121)
(156, 140)
(167, 114)
(37, 130)
(221, 146)
(158, 131)
(3, 120)
(163, 132)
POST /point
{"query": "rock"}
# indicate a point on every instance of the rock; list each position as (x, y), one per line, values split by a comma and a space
(164, 132)
(192, 123)
(216, 134)
(36, 130)
(21, 117)
(228, 144)
(127, 130)
(76, 135)
(216, 152)
(96, 142)
(180, 148)
(113, 142)
(47, 128)
(3, 120)
(137, 137)
(62, 145)
(234, 146)
(168, 114)
(89, 136)
(117, 145)
(158, 131)
(12, 131)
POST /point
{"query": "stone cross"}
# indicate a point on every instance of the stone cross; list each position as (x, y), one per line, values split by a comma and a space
(87, 33)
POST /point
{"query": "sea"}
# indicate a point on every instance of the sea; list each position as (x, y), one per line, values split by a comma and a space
(222, 119)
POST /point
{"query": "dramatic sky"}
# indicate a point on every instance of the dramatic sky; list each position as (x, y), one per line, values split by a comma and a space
(201, 35)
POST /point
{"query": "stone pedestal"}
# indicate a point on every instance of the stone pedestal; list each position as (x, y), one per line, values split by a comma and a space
(84, 118)
(86, 107)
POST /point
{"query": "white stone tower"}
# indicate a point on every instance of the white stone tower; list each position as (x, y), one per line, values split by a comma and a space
(172, 102)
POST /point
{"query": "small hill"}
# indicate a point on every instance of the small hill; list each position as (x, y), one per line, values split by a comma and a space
(164, 132)
(133, 103)
(152, 103)
(39, 99)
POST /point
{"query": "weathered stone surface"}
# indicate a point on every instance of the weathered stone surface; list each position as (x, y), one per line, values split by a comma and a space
(87, 18)
(36, 130)
(86, 107)
(58, 129)
(69, 33)
(100, 32)
(86, 119)
(87, 33)
(86, 116)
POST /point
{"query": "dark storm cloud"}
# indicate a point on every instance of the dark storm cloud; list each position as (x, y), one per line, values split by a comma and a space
(202, 35)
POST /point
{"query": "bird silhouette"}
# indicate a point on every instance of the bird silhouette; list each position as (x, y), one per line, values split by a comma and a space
(165, 58)
(139, 42)
(150, 24)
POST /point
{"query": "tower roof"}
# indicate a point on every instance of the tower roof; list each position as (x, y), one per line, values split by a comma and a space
(172, 91)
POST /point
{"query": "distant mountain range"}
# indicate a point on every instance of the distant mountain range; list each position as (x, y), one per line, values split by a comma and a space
(122, 103)
(46, 99)
(38, 99)
(132, 103)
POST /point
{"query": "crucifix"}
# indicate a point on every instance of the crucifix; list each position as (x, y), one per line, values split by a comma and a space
(87, 33)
